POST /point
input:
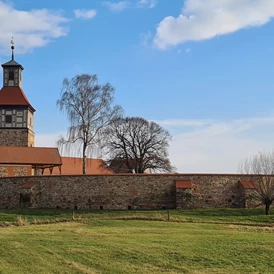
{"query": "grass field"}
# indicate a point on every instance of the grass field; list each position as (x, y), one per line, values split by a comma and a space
(194, 241)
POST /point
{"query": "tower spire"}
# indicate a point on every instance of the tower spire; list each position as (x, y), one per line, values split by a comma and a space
(12, 48)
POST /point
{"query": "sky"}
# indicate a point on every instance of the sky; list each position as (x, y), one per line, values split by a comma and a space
(202, 69)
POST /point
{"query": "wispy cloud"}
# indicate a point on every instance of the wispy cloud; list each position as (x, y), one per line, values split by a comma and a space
(84, 13)
(31, 29)
(207, 146)
(213, 146)
(147, 3)
(50, 140)
(122, 5)
(171, 123)
(146, 39)
(205, 19)
(116, 7)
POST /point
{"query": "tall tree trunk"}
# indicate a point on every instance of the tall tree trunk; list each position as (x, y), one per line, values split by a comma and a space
(84, 159)
(267, 208)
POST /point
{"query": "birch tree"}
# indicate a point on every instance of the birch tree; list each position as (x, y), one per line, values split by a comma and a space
(89, 108)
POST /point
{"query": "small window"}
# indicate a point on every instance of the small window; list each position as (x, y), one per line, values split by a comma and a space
(11, 75)
(8, 119)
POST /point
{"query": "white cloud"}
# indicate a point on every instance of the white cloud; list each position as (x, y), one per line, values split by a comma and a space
(116, 7)
(203, 146)
(147, 3)
(188, 50)
(205, 19)
(84, 13)
(206, 146)
(30, 29)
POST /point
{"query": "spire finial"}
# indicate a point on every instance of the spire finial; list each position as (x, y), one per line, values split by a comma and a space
(12, 48)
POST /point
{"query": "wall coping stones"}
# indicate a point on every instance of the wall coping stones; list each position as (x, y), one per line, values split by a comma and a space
(183, 184)
(140, 175)
(29, 185)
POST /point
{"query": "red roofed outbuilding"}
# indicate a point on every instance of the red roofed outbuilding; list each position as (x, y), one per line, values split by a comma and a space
(26, 161)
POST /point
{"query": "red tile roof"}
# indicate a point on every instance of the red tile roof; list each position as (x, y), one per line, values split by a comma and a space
(183, 184)
(29, 155)
(14, 96)
(73, 166)
(29, 185)
(119, 166)
(247, 184)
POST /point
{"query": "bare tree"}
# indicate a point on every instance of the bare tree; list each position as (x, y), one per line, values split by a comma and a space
(260, 167)
(89, 108)
(137, 144)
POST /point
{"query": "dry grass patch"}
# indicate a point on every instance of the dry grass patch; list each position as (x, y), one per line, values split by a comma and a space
(81, 268)
(257, 228)
(22, 221)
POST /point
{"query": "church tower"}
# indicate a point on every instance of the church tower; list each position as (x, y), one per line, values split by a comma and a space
(16, 113)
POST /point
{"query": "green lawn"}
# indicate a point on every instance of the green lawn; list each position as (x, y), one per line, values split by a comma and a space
(207, 241)
(226, 215)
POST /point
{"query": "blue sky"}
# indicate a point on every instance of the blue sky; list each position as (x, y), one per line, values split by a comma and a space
(203, 69)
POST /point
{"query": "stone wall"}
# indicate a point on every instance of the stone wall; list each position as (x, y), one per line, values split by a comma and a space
(10, 170)
(216, 191)
(14, 137)
(251, 199)
(128, 191)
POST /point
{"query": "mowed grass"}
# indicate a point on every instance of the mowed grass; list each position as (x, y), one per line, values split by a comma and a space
(100, 243)
(226, 215)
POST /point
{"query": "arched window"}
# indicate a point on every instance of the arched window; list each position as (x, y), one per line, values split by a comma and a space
(11, 75)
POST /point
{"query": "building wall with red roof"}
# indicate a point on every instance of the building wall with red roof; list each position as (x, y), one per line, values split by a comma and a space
(74, 166)
(16, 118)
(15, 170)
(124, 191)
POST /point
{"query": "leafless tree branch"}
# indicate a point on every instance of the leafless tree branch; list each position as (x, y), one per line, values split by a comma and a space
(137, 144)
(260, 167)
(89, 108)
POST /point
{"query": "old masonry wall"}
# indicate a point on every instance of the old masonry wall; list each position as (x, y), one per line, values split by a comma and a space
(128, 191)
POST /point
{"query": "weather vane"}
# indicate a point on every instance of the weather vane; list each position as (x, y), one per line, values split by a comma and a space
(12, 47)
